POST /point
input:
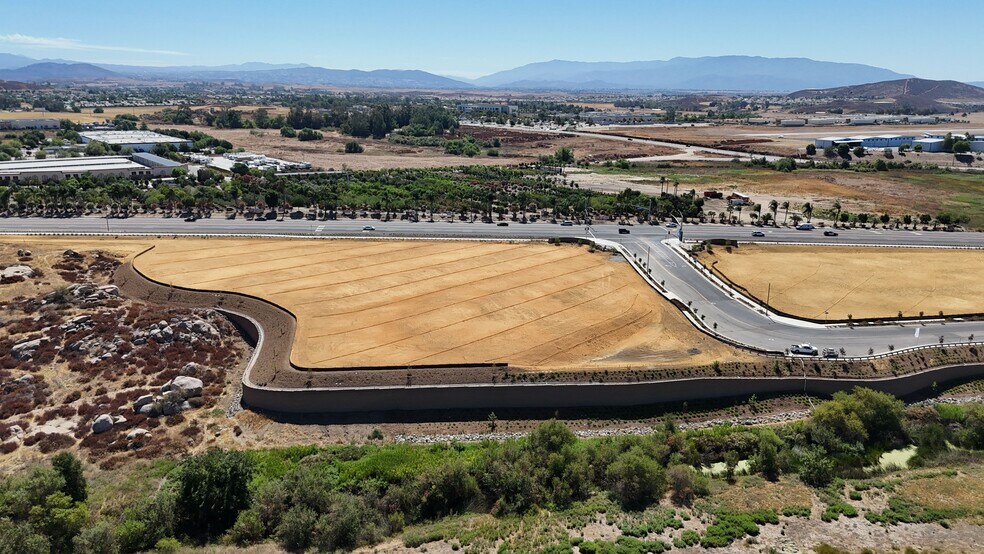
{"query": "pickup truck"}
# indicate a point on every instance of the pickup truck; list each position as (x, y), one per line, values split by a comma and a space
(806, 349)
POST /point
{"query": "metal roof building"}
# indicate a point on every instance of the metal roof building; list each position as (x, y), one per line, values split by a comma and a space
(56, 169)
(139, 141)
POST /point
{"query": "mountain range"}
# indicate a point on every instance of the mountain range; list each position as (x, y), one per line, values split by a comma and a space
(904, 94)
(713, 73)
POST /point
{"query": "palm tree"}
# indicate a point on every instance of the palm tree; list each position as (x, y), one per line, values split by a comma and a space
(773, 207)
(785, 207)
(756, 211)
(808, 211)
(837, 211)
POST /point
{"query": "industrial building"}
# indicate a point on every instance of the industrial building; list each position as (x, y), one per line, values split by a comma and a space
(138, 141)
(792, 122)
(877, 141)
(257, 161)
(497, 108)
(28, 124)
(146, 166)
(929, 144)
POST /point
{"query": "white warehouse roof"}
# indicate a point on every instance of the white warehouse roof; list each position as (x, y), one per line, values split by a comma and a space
(79, 165)
(131, 137)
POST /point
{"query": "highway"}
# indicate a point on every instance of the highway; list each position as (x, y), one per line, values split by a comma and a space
(713, 304)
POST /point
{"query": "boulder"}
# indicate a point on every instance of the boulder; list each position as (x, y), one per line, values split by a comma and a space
(102, 423)
(25, 348)
(191, 368)
(16, 271)
(119, 420)
(154, 409)
(186, 386)
(172, 396)
(142, 401)
(109, 290)
(137, 433)
(71, 254)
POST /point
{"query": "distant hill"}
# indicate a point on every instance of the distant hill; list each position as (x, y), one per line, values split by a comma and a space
(13, 61)
(54, 72)
(739, 73)
(915, 94)
(378, 78)
(976, 83)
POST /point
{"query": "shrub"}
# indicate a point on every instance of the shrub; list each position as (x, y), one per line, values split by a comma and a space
(212, 488)
(296, 527)
(309, 134)
(636, 480)
(353, 147)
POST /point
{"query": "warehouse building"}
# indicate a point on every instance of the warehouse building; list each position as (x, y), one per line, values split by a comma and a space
(28, 124)
(138, 141)
(877, 141)
(929, 144)
(497, 108)
(56, 169)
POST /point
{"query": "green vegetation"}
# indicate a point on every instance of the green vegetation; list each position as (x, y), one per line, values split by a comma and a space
(524, 495)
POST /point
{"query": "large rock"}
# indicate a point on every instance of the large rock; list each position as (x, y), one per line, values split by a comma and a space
(142, 401)
(102, 423)
(16, 271)
(154, 409)
(25, 348)
(71, 254)
(186, 386)
(191, 368)
(137, 433)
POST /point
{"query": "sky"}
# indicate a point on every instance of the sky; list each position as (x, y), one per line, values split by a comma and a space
(934, 39)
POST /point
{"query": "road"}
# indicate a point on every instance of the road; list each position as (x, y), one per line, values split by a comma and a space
(735, 319)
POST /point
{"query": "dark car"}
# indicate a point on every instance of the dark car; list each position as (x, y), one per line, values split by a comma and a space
(623, 231)
(758, 234)
(502, 224)
(830, 233)
(191, 218)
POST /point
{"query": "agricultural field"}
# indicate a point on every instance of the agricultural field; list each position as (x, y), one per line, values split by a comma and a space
(856, 283)
(375, 303)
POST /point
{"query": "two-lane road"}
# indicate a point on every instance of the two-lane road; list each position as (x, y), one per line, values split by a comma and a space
(729, 316)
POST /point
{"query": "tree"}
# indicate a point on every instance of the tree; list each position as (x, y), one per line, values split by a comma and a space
(353, 147)
(844, 150)
(785, 207)
(70, 468)
(636, 480)
(816, 469)
(564, 155)
(307, 134)
(288, 131)
(731, 460)
(859, 151)
(837, 210)
(685, 484)
(774, 208)
(811, 150)
(961, 147)
(212, 488)
(880, 165)
(808, 210)
(766, 461)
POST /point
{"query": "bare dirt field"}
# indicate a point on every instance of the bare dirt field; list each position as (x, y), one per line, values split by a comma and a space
(860, 282)
(373, 303)
(517, 147)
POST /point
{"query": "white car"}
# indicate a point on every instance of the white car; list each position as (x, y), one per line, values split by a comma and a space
(671, 225)
(805, 227)
(368, 228)
(566, 223)
(806, 349)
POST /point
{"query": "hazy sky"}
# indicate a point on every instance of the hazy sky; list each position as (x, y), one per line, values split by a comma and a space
(936, 39)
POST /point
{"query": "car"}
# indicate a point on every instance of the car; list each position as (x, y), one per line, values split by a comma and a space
(805, 227)
(830, 233)
(502, 224)
(191, 219)
(368, 228)
(671, 225)
(623, 231)
(566, 223)
(758, 234)
(806, 349)
(829, 353)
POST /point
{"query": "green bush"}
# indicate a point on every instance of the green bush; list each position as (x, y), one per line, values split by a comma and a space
(636, 480)
(353, 147)
(729, 527)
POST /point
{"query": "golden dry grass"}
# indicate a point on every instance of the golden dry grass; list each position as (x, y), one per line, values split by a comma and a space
(806, 281)
(372, 303)
(755, 493)
(964, 491)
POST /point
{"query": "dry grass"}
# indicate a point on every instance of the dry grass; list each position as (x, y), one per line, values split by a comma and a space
(755, 493)
(863, 282)
(964, 491)
(400, 303)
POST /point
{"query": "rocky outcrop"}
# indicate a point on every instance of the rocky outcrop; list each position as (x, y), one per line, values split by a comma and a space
(102, 423)
(16, 271)
(25, 349)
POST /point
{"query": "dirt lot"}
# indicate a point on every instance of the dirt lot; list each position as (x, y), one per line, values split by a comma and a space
(517, 147)
(402, 303)
(863, 282)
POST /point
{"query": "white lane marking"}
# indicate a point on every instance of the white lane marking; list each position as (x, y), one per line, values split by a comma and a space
(917, 332)
(875, 232)
(319, 229)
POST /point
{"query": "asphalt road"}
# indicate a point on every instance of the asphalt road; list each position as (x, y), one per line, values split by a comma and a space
(735, 319)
